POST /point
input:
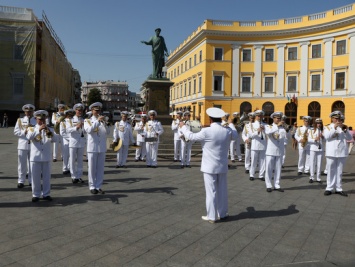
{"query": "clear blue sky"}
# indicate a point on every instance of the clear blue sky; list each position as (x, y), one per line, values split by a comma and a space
(102, 38)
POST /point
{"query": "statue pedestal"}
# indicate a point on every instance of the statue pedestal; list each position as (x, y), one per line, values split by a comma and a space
(157, 98)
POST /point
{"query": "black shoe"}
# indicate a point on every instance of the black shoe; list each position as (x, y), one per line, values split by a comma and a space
(81, 181)
(74, 181)
(148, 166)
(54, 160)
(283, 166)
(279, 189)
(20, 185)
(136, 160)
(124, 166)
(251, 178)
(35, 199)
(117, 166)
(182, 166)
(299, 173)
(30, 185)
(323, 174)
(49, 198)
(269, 190)
(101, 191)
(94, 191)
(310, 181)
(327, 193)
(175, 160)
(224, 218)
(319, 182)
(262, 179)
(66, 172)
(187, 166)
(246, 171)
(154, 167)
(342, 193)
(233, 160)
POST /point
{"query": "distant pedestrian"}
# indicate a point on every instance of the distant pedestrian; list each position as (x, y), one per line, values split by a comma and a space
(5, 121)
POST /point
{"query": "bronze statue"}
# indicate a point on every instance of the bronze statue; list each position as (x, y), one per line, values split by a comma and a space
(158, 48)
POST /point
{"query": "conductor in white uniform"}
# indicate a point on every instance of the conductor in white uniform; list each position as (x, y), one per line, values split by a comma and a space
(215, 142)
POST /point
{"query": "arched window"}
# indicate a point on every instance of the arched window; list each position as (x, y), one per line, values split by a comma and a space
(245, 107)
(291, 113)
(314, 109)
(268, 108)
(339, 105)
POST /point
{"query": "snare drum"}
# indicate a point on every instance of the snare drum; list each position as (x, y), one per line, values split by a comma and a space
(195, 126)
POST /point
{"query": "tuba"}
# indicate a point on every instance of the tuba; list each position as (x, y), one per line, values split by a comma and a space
(239, 125)
(304, 139)
(57, 124)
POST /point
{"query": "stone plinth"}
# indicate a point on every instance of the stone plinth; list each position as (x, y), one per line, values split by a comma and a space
(157, 98)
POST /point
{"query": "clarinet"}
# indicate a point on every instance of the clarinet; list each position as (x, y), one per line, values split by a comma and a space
(320, 140)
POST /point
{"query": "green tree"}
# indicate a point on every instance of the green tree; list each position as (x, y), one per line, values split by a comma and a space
(94, 96)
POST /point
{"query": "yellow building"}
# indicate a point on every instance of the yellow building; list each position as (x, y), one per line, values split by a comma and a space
(300, 66)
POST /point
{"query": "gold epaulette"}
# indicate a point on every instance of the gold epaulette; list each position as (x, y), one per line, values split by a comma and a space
(88, 121)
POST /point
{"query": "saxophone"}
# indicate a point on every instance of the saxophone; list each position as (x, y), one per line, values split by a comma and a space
(304, 139)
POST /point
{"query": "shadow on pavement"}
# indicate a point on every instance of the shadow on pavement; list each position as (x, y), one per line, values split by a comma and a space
(167, 190)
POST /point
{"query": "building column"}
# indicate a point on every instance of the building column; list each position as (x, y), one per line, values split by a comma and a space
(328, 56)
(235, 69)
(304, 69)
(351, 52)
(257, 70)
(280, 70)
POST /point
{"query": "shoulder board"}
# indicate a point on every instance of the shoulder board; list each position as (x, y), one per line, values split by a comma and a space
(327, 126)
(88, 121)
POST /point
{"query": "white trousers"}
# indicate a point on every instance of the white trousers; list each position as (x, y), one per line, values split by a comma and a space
(23, 161)
(335, 172)
(186, 152)
(257, 158)
(283, 154)
(247, 157)
(41, 168)
(56, 146)
(315, 163)
(76, 162)
(273, 164)
(177, 149)
(216, 195)
(152, 153)
(65, 154)
(142, 151)
(303, 160)
(96, 162)
(232, 148)
(122, 155)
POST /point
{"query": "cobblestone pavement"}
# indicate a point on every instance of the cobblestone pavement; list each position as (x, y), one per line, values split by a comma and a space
(152, 217)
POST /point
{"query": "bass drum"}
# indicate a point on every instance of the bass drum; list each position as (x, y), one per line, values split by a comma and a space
(195, 126)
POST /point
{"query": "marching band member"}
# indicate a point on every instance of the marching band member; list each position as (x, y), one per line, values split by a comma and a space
(56, 119)
(141, 152)
(315, 139)
(65, 139)
(97, 131)
(186, 144)
(247, 130)
(153, 130)
(177, 139)
(24, 145)
(123, 131)
(77, 142)
(215, 142)
(41, 137)
(276, 134)
(237, 143)
(258, 145)
(287, 137)
(234, 141)
(336, 153)
(301, 136)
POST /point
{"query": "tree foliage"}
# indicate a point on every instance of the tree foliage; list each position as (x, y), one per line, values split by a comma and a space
(94, 96)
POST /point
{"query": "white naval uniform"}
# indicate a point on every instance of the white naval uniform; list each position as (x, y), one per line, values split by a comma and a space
(316, 154)
(186, 146)
(233, 151)
(40, 160)
(215, 142)
(275, 145)
(153, 128)
(177, 139)
(56, 144)
(245, 136)
(123, 131)
(96, 151)
(287, 138)
(142, 151)
(77, 142)
(65, 143)
(303, 152)
(336, 152)
(258, 149)
(23, 148)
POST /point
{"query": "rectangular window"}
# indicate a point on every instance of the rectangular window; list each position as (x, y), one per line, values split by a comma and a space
(292, 53)
(189, 63)
(174, 73)
(246, 84)
(217, 83)
(178, 70)
(269, 84)
(218, 53)
(194, 86)
(316, 51)
(195, 60)
(180, 90)
(185, 92)
(246, 54)
(269, 54)
(292, 83)
(341, 47)
(185, 65)
(182, 69)
(18, 52)
(190, 88)
(315, 82)
(340, 80)
(200, 56)
(200, 84)
(18, 86)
